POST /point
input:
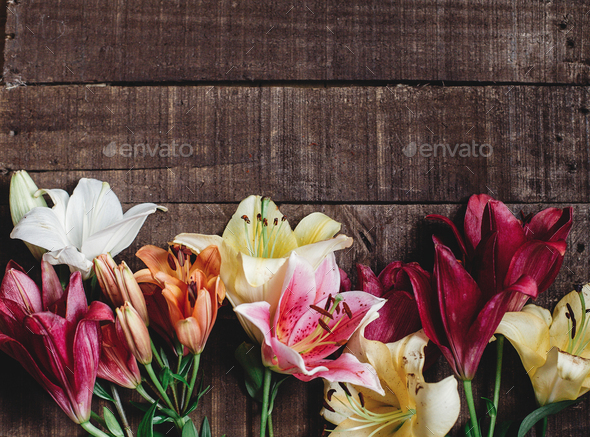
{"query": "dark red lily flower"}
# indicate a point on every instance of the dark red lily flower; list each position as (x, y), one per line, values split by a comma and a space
(458, 315)
(498, 249)
(117, 363)
(399, 316)
(53, 334)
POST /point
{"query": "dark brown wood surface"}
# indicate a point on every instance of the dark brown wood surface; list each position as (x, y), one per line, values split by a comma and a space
(316, 104)
(409, 40)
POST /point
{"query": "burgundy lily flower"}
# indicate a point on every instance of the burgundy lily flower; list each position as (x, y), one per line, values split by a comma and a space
(117, 363)
(54, 335)
(458, 315)
(399, 316)
(498, 249)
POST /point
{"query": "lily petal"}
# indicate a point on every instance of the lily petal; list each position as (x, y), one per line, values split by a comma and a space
(60, 199)
(315, 227)
(316, 252)
(72, 257)
(41, 227)
(473, 219)
(551, 224)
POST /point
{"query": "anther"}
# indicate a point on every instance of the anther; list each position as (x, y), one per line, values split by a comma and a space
(570, 315)
(181, 258)
(275, 221)
(328, 407)
(259, 217)
(283, 218)
(321, 311)
(246, 219)
(330, 393)
(265, 222)
(362, 399)
(171, 262)
(328, 302)
(324, 325)
(347, 310)
(343, 387)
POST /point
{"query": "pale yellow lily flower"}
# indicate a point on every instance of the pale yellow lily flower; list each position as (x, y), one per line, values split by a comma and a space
(555, 350)
(410, 406)
(256, 245)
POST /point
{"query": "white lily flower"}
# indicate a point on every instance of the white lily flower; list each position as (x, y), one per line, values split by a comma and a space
(410, 407)
(79, 228)
(555, 350)
(255, 246)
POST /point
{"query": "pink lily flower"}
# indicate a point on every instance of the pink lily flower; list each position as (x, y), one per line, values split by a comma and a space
(54, 335)
(312, 321)
(499, 249)
(117, 363)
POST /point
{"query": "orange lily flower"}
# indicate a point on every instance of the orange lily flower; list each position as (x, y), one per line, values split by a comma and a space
(191, 289)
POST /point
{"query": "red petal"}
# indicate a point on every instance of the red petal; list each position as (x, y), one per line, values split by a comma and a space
(473, 219)
(458, 235)
(76, 305)
(99, 312)
(86, 349)
(367, 281)
(397, 318)
(18, 287)
(551, 224)
(52, 290)
(345, 282)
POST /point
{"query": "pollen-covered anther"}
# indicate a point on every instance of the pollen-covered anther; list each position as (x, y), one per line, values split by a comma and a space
(246, 219)
(328, 302)
(275, 221)
(324, 326)
(330, 393)
(570, 315)
(321, 311)
(362, 399)
(171, 262)
(265, 222)
(328, 407)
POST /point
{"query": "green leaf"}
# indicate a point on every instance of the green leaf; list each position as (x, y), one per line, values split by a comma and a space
(490, 408)
(164, 357)
(185, 365)
(141, 405)
(503, 428)
(165, 377)
(248, 356)
(158, 420)
(102, 393)
(179, 378)
(541, 413)
(112, 423)
(205, 428)
(146, 427)
(189, 430)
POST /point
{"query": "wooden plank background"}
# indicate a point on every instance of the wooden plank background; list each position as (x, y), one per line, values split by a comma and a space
(196, 105)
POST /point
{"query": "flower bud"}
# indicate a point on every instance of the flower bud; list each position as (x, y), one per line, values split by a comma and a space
(117, 363)
(131, 290)
(130, 327)
(22, 199)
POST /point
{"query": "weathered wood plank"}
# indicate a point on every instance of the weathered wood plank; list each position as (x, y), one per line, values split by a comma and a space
(382, 233)
(217, 144)
(448, 40)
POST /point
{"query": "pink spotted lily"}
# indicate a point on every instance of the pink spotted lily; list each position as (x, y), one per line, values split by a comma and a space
(312, 321)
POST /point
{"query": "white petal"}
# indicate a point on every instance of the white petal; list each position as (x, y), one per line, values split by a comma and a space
(42, 228)
(198, 242)
(119, 235)
(562, 377)
(315, 227)
(73, 258)
(316, 252)
(92, 207)
(437, 406)
(60, 200)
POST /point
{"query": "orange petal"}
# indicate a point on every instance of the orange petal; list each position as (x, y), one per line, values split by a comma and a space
(190, 335)
(209, 261)
(156, 259)
(175, 299)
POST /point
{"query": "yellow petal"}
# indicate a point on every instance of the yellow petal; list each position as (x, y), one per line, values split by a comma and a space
(561, 329)
(529, 334)
(315, 227)
(562, 377)
(197, 242)
(315, 253)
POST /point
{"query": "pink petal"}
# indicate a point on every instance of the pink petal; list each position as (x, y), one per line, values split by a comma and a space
(368, 282)
(299, 292)
(327, 278)
(458, 235)
(52, 289)
(99, 312)
(551, 224)
(347, 368)
(258, 313)
(76, 305)
(86, 350)
(483, 265)
(287, 360)
(473, 219)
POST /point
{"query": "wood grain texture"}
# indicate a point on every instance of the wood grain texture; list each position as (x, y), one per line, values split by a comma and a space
(382, 233)
(155, 40)
(351, 144)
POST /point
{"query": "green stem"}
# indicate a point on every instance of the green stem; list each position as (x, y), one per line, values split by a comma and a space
(93, 430)
(499, 357)
(157, 355)
(144, 394)
(191, 387)
(121, 410)
(544, 426)
(270, 433)
(471, 405)
(156, 382)
(265, 395)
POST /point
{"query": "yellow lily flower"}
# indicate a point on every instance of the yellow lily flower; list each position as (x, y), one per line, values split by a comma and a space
(255, 246)
(555, 350)
(410, 406)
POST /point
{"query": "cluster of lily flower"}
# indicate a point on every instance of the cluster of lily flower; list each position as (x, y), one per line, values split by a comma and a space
(295, 304)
